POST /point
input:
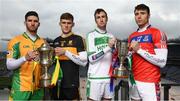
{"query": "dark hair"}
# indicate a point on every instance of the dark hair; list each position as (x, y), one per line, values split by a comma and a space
(98, 11)
(67, 16)
(142, 7)
(31, 13)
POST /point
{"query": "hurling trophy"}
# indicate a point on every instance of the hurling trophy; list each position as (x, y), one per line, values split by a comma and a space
(121, 72)
(46, 60)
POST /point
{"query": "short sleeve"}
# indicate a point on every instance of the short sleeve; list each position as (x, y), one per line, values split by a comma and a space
(80, 44)
(129, 40)
(13, 49)
(10, 49)
(160, 40)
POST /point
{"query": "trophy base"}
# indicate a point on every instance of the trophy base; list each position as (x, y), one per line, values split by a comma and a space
(117, 76)
(120, 73)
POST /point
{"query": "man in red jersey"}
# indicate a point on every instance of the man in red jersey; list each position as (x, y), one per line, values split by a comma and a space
(149, 48)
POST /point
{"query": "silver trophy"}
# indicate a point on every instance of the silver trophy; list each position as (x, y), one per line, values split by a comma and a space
(46, 59)
(121, 72)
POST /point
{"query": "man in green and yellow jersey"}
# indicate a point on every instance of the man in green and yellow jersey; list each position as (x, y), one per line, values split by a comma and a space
(21, 59)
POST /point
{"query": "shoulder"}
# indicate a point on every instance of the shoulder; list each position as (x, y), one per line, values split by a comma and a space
(16, 38)
(77, 36)
(20, 36)
(110, 34)
(57, 38)
(15, 41)
(90, 33)
(157, 32)
(132, 34)
(154, 30)
(41, 40)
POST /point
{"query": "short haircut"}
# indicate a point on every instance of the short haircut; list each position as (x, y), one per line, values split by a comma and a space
(31, 13)
(98, 11)
(67, 16)
(142, 7)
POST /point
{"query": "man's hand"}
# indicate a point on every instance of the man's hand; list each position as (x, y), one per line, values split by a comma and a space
(59, 51)
(134, 46)
(32, 55)
(112, 42)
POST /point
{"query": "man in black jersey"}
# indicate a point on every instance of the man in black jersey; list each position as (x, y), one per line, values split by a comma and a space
(71, 51)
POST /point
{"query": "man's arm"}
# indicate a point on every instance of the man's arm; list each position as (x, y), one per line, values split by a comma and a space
(13, 64)
(16, 63)
(80, 59)
(98, 55)
(158, 59)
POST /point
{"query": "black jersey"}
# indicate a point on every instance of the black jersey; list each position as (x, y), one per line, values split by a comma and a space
(74, 44)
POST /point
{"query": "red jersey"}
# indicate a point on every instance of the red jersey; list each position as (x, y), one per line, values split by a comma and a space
(149, 40)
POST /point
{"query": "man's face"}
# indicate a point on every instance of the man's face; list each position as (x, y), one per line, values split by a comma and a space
(32, 24)
(101, 20)
(66, 25)
(141, 17)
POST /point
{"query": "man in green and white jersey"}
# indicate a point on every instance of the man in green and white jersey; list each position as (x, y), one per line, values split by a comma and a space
(99, 47)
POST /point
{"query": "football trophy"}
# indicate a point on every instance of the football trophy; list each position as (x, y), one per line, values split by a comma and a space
(46, 59)
(121, 71)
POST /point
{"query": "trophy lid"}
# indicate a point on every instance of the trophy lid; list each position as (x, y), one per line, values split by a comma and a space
(45, 47)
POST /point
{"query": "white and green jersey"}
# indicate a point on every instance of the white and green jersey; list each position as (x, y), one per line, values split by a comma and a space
(99, 54)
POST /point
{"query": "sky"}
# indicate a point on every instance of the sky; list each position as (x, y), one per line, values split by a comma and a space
(165, 15)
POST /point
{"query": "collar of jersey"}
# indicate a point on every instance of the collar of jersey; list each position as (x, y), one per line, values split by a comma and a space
(144, 28)
(100, 31)
(67, 35)
(27, 37)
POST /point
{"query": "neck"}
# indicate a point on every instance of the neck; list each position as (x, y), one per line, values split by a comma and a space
(141, 29)
(102, 31)
(142, 26)
(33, 33)
(64, 35)
(102, 28)
(32, 36)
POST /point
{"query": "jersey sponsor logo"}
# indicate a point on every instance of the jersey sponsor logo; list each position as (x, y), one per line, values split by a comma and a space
(66, 43)
(101, 47)
(97, 55)
(76, 58)
(101, 40)
(62, 43)
(70, 43)
(155, 59)
(143, 38)
(101, 43)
